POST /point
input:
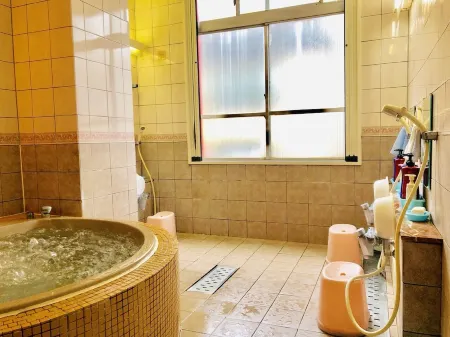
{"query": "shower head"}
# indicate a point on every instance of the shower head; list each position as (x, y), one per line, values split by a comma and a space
(400, 112)
(395, 111)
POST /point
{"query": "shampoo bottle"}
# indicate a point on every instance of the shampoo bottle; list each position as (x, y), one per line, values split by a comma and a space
(410, 186)
(398, 162)
(408, 168)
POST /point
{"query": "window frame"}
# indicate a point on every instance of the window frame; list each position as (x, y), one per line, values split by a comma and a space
(264, 18)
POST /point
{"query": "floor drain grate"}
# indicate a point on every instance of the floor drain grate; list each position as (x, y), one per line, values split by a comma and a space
(213, 280)
(376, 297)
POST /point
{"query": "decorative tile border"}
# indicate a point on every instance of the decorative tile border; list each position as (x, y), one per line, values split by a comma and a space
(383, 131)
(9, 139)
(179, 137)
(76, 137)
(93, 137)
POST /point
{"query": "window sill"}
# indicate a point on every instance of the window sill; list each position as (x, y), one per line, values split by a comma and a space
(319, 162)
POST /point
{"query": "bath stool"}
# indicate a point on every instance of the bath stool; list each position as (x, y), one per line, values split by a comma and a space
(343, 244)
(333, 317)
(164, 220)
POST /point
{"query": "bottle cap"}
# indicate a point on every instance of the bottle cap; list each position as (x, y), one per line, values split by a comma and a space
(409, 162)
(400, 153)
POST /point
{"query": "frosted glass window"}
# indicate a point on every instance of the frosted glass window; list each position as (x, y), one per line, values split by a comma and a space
(231, 72)
(215, 9)
(234, 137)
(307, 64)
(308, 135)
(250, 6)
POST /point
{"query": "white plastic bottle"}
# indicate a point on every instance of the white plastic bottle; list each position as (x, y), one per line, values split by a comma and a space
(410, 186)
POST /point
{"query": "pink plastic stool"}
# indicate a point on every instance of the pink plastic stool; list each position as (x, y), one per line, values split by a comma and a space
(333, 317)
(343, 244)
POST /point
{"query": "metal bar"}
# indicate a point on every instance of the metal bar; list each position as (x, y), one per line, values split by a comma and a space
(275, 113)
(258, 114)
(307, 111)
(272, 16)
(266, 88)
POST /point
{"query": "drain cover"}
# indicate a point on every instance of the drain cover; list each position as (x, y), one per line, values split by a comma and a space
(213, 280)
(376, 297)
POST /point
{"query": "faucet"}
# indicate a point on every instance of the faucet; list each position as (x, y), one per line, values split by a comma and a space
(45, 211)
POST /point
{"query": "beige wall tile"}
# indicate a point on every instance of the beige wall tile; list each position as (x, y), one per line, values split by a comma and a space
(200, 172)
(297, 214)
(255, 172)
(182, 170)
(218, 189)
(319, 173)
(219, 209)
(297, 192)
(320, 215)
(237, 210)
(343, 214)
(297, 233)
(318, 235)
(320, 193)
(183, 189)
(257, 230)
(237, 190)
(201, 208)
(167, 188)
(183, 207)
(256, 190)
(201, 226)
(236, 172)
(200, 189)
(256, 211)
(342, 194)
(219, 227)
(217, 172)
(276, 212)
(237, 228)
(276, 191)
(275, 173)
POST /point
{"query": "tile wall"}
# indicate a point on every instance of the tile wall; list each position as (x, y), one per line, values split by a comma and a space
(73, 81)
(107, 155)
(11, 200)
(295, 203)
(429, 72)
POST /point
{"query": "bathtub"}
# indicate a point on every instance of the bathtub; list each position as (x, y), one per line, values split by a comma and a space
(142, 236)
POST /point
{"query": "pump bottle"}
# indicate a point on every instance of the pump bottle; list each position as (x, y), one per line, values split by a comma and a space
(408, 169)
(398, 162)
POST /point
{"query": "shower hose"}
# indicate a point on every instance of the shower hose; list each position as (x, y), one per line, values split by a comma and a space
(148, 173)
(382, 261)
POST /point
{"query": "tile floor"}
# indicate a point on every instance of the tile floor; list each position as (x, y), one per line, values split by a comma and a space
(274, 293)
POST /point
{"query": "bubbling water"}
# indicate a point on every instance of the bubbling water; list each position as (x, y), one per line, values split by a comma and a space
(47, 258)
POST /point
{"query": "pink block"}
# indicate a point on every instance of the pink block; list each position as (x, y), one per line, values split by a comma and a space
(343, 244)
(333, 317)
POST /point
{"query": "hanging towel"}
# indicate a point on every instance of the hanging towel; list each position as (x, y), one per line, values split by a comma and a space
(400, 142)
(413, 145)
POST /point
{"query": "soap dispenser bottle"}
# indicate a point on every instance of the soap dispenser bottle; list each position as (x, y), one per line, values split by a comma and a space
(398, 162)
(410, 186)
(408, 168)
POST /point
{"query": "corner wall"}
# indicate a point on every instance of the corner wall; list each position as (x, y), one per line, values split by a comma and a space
(429, 72)
(75, 106)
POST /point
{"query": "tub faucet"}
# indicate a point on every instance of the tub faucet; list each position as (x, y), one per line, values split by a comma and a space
(45, 211)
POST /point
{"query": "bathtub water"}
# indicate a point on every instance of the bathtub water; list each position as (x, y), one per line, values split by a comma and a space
(44, 259)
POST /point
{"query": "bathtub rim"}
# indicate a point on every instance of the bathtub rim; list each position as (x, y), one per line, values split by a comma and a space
(144, 253)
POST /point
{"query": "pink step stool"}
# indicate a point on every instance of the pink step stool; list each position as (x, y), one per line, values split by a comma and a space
(343, 244)
(333, 317)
